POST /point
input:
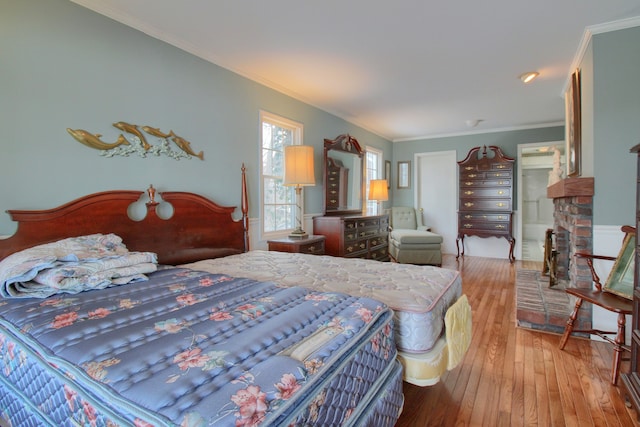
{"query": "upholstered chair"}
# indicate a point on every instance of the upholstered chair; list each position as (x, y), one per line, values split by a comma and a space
(410, 241)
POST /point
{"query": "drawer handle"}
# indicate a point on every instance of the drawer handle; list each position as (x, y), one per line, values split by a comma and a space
(349, 248)
(350, 225)
(469, 204)
(468, 183)
(468, 193)
(333, 201)
(500, 227)
(468, 216)
(333, 192)
(501, 192)
(363, 245)
(502, 217)
(501, 167)
(501, 205)
(468, 226)
(468, 168)
(312, 248)
(351, 236)
(374, 255)
(503, 182)
(471, 175)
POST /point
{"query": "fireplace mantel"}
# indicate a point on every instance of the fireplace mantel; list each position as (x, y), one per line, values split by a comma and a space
(571, 187)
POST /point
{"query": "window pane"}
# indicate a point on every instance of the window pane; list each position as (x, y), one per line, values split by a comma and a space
(279, 202)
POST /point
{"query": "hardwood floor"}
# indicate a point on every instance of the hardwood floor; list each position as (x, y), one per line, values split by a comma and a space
(513, 376)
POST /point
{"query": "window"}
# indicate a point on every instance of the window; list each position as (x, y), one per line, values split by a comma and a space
(278, 202)
(373, 171)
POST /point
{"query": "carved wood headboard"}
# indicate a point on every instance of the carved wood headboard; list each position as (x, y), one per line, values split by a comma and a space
(198, 229)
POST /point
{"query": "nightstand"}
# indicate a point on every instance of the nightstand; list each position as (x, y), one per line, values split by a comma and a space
(311, 245)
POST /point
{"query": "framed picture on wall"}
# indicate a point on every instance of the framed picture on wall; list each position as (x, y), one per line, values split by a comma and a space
(573, 125)
(404, 174)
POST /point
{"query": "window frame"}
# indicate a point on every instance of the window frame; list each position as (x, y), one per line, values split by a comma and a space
(297, 130)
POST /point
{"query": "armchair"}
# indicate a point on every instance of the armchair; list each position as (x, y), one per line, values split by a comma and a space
(615, 295)
(410, 241)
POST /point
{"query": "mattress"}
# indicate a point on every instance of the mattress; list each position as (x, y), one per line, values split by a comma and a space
(193, 348)
(418, 295)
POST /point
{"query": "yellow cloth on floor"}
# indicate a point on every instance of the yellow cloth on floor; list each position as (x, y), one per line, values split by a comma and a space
(457, 322)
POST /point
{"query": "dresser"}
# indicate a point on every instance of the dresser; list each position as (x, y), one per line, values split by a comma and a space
(631, 380)
(354, 236)
(486, 196)
(313, 245)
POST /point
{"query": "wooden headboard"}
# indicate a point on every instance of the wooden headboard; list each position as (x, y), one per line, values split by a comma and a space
(198, 228)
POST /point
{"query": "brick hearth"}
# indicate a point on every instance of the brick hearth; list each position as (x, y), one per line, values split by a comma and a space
(537, 305)
(573, 227)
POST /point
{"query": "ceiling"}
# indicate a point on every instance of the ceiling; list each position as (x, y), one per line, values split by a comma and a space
(403, 69)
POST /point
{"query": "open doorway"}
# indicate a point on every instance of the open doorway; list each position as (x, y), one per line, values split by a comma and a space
(535, 209)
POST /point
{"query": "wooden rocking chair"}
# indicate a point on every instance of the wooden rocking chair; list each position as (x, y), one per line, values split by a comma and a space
(615, 296)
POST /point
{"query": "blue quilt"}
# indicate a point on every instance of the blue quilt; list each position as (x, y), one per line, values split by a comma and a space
(73, 265)
(191, 348)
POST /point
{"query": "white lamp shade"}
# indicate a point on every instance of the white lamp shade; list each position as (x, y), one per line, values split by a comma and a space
(378, 190)
(298, 165)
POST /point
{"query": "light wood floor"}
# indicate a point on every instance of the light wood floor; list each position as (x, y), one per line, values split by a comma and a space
(513, 376)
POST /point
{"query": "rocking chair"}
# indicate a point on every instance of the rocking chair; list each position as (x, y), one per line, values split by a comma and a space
(615, 296)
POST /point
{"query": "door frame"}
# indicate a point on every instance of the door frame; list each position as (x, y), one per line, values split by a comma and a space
(520, 178)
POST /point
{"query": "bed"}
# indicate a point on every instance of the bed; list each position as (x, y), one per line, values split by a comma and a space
(423, 298)
(100, 326)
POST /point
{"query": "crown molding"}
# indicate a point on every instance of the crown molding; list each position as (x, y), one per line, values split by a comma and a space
(477, 132)
(588, 34)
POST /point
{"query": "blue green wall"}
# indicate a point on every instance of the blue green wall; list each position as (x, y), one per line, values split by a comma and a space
(616, 124)
(64, 66)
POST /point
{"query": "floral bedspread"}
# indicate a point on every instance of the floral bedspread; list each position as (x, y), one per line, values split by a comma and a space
(73, 265)
(192, 348)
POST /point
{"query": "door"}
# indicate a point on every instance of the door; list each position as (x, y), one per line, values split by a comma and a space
(436, 194)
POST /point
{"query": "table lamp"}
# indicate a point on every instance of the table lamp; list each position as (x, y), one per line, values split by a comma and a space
(378, 190)
(298, 172)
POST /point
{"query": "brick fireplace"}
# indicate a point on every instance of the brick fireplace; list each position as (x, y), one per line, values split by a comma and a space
(573, 228)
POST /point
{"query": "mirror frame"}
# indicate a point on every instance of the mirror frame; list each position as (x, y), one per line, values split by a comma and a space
(348, 144)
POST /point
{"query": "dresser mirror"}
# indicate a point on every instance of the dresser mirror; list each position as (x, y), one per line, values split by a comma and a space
(343, 176)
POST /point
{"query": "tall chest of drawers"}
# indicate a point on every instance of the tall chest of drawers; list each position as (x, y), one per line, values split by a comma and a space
(354, 236)
(486, 196)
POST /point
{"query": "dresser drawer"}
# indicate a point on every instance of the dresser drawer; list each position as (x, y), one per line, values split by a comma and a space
(486, 192)
(485, 204)
(377, 241)
(313, 245)
(313, 248)
(380, 254)
(485, 217)
(355, 247)
(485, 226)
(468, 183)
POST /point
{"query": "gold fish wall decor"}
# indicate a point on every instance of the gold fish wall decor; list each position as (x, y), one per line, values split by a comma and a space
(137, 144)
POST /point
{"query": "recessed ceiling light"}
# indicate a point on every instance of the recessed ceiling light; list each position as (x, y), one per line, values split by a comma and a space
(528, 77)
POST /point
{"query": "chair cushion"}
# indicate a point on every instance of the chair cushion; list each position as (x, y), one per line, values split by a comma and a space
(403, 217)
(415, 236)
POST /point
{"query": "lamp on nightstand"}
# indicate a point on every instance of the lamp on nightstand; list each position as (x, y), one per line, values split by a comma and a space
(378, 191)
(298, 172)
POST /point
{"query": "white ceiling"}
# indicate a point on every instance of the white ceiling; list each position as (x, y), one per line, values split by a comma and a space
(403, 69)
